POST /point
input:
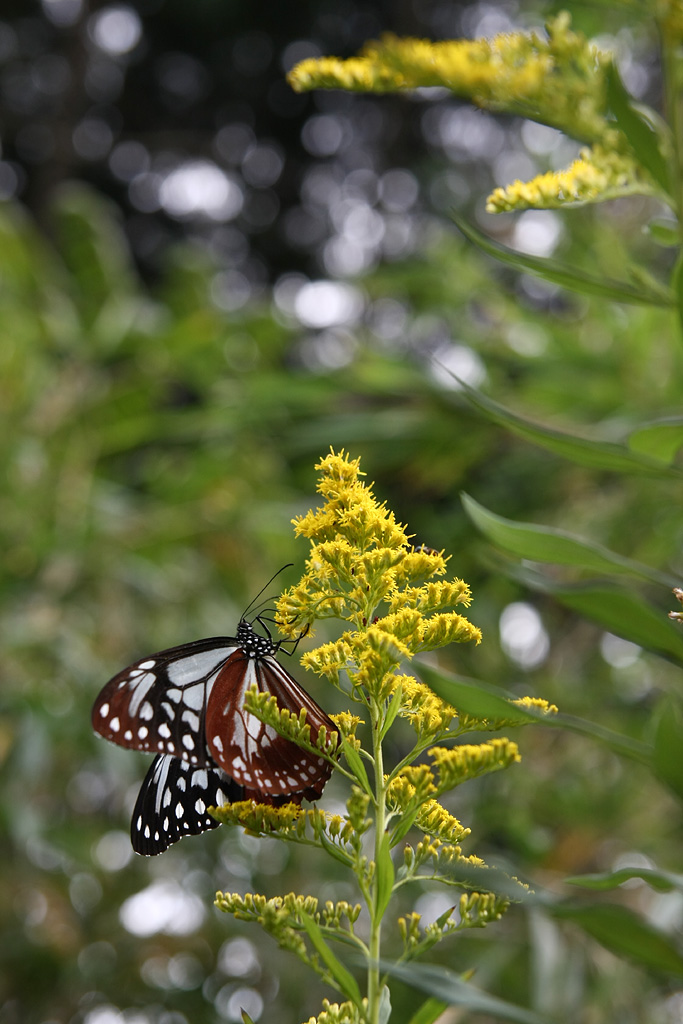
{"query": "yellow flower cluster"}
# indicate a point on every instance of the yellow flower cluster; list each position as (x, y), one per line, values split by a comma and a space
(466, 761)
(361, 562)
(559, 80)
(597, 176)
(428, 714)
(339, 1013)
(434, 820)
(416, 784)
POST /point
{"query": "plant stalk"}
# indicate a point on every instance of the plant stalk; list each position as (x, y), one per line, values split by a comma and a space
(374, 987)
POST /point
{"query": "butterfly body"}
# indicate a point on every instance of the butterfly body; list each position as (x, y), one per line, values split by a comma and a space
(186, 705)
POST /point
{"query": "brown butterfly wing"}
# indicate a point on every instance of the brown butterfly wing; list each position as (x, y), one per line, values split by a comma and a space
(253, 753)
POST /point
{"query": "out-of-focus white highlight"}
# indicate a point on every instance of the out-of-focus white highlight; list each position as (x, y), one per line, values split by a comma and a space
(162, 907)
(522, 635)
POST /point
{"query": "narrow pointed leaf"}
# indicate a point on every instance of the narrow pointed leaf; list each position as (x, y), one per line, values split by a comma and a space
(481, 700)
(355, 763)
(488, 879)
(602, 455)
(569, 277)
(666, 232)
(621, 612)
(546, 544)
(393, 709)
(477, 700)
(668, 742)
(448, 987)
(661, 440)
(660, 881)
(385, 1005)
(429, 1012)
(346, 981)
(642, 137)
(625, 934)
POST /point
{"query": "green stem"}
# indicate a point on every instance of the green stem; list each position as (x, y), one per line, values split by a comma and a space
(374, 985)
(674, 114)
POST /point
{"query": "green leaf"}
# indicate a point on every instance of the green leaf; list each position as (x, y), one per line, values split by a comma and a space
(487, 879)
(448, 987)
(601, 455)
(642, 137)
(403, 827)
(474, 698)
(660, 881)
(546, 544)
(482, 700)
(625, 934)
(385, 1005)
(622, 612)
(246, 1019)
(668, 744)
(355, 763)
(666, 232)
(393, 709)
(385, 878)
(659, 440)
(346, 981)
(428, 1012)
(569, 277)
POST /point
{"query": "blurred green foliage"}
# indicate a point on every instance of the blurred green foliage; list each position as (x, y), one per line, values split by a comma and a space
(154, 450)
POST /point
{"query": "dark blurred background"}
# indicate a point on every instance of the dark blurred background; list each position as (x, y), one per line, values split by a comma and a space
(205, 281)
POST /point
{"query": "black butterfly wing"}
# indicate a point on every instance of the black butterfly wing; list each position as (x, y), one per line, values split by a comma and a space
(158, 703)
(252, 752)
(173, 802)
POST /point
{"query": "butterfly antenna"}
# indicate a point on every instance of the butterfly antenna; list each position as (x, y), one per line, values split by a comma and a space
(274, 576)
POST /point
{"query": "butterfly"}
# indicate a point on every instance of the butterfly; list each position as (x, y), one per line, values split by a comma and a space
(186, 705)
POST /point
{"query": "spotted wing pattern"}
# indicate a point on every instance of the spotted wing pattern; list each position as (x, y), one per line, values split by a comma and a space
(186, 705)
(158, 704)
(253, 753)
(173, 802)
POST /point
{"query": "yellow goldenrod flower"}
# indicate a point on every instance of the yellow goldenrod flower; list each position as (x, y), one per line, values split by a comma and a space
(559, 80)
(597, 176)
(456, 764)
(434, 820)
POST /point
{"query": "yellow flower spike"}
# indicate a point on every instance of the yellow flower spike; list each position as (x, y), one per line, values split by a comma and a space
(456, 764)
(420, 564)
(435, 821)
(537, 704)
(447, 628)
(593, 178)
(328, 659)
(559, 80)
(427, 713)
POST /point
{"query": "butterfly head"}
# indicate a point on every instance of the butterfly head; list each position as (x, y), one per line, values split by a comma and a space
(253, 644)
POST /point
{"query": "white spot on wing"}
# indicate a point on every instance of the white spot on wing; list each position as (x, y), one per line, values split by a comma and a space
(254, 726)
(198, 665)
(139, 691)
(191, 719)
(104, 710)
(194, 696)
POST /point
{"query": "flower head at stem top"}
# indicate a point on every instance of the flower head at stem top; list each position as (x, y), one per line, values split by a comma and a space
(363, 568)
